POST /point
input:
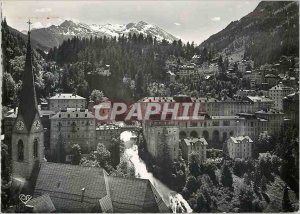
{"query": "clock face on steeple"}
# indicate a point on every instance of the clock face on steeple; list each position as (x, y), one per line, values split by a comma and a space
(36, 124)
(20, 125)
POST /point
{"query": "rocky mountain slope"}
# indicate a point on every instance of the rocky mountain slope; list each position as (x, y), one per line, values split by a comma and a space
(263, 35)
(55, 35)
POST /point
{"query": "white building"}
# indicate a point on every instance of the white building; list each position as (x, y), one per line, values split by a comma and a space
(194, 146)
(240, 147)
(277, 93)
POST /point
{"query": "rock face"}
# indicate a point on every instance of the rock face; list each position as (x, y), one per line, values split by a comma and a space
(55, 35)
(265, 34)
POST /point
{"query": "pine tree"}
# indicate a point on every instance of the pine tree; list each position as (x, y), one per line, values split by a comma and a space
(76, 152)
(226, 176)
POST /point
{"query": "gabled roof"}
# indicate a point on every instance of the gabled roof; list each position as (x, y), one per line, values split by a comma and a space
(241, 139)
(42, 204)
(64, 184)
(280, 87)
(74, 188)
(131, 195)
(189, 141)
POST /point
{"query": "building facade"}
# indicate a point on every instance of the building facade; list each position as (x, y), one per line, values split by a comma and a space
(63, 101)
(290, 105)
(194, 146)
(240, 147)
(74, 126)
(277, 93)
(160, 138)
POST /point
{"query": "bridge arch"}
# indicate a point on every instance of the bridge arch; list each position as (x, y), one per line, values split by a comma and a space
(194, 134)
(215, 137)
(182, 135)
(205, 134)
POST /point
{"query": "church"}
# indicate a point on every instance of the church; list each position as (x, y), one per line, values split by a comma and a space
(58, 187)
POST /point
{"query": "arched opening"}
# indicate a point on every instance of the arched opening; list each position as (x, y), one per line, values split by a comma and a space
(216, 137)
(224, 136)
(20, 150)
(35, 148)
(194, 134)
(182, 135)
(231, 133)
(205, 134)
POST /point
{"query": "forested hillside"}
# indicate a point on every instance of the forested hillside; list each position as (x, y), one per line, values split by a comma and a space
(13, 59)
(270, 31)
(120, 67)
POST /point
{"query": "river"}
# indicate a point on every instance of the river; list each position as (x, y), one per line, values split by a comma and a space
(170, 197)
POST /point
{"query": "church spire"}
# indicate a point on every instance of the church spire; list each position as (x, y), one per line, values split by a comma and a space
(28, 103)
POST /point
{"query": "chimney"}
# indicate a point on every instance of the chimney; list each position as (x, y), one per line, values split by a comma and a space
(82, 194)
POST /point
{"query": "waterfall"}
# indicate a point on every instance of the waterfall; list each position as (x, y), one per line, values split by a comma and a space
(172, 199)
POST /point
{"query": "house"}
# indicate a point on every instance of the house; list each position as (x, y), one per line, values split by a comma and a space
(194, 146)
(240, 147)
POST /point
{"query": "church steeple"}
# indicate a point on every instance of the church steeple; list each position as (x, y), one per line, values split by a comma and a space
(28, 103)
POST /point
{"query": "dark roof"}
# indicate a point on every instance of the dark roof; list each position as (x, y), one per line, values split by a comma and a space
(28, 104)
(42, 204)
(64, 183)
(131, 195)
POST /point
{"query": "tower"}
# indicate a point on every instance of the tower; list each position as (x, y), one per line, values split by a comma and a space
(27, 135)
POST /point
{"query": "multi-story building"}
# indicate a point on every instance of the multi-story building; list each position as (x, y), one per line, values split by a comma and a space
(63, 101)
(104, 133)
(194, 146)
(74, 126)
(245, 93)
(220, 119)
(271, 79)
(160, 138)
(274, 120)
(290, 106)
(240, 147)
(260, 102)
(277, 93)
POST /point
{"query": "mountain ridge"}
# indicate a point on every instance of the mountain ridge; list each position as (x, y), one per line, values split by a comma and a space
(54, 35)
(270, 30)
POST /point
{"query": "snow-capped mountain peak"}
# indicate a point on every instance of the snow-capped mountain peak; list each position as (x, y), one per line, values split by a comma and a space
(54, 35)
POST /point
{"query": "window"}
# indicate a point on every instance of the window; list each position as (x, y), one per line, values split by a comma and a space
(35, 148)
(226, 123)
(20, 150)
(216, 123)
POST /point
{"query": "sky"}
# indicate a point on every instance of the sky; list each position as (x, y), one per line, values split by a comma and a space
(187, 20)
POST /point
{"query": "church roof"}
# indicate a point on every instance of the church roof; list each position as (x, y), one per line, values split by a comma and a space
(64, 184)
(28, 103)
(131, 195)
(42, 204)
